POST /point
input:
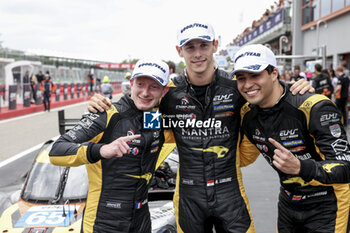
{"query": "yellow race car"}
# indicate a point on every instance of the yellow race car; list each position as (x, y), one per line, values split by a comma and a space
(52, 198)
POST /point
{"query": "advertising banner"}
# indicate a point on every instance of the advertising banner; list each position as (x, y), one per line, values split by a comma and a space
(26, 95)
(65, 91)
(84, 89)
(58, 89)
(71, 90)
(261, 29)
(12, 96)
(77, 87)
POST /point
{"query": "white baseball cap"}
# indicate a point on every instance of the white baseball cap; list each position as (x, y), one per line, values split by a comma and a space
(156, 69)
(254, 58)
(195, 31)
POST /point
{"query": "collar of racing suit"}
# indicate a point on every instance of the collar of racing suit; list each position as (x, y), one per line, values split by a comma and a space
(192, 92)
(276, 107)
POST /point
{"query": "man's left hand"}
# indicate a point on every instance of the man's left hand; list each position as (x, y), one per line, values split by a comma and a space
(284, 160)
(301, 86)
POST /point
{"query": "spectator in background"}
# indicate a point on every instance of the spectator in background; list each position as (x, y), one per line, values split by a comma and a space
(325, 72)
(128, 76)
(33, 82)
(172, 70)
(286, 75)
(345, 68)
(342, 92)
(296, 74)
(46, 88)
(106, 87)
(26, 78)
(98, 84)
(309, 76)
(333, 76)
(334, 80)
(322, 82)
(91, 83)
(126, 86)
(40, 76)
(266, 15)
(48, 74)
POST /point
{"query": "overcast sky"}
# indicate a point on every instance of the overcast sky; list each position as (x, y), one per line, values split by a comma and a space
(114, 30)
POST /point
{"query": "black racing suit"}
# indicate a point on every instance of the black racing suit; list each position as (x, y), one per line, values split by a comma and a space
(209, 188)
(316, 200)
(118, 187)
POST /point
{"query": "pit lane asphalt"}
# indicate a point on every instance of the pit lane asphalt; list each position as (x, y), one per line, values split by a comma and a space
(21, 138)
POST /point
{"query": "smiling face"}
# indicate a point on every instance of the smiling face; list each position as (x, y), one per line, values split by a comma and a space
(146, 92)
(262, 89)
(198, 55)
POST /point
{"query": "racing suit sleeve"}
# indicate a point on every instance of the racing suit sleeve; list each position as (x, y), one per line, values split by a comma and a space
(331, 143)
(80, 145)
(247, 152)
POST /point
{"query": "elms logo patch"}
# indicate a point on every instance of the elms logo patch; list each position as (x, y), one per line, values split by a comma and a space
(151, 120)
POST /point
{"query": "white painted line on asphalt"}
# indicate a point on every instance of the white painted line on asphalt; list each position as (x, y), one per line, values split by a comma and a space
(42, 112)
(23, 153)
(52, 110)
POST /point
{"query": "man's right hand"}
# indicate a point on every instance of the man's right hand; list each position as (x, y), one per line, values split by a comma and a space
(118, 147)
(99, 103)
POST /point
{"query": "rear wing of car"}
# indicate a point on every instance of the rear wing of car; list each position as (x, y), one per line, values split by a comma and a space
(65, 124)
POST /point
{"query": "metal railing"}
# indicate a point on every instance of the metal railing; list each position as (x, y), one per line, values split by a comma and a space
(323, 56)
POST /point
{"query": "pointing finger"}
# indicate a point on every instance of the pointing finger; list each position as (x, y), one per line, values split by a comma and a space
(276, 144)
(131, 137)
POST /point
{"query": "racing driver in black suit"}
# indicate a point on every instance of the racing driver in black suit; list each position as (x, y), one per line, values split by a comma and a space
(120, 155)
(303, 139)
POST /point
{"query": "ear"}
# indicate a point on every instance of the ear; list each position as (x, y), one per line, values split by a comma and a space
(179, 50)
(274, 74)
(132, 82)
(216, 44)
(165, 90)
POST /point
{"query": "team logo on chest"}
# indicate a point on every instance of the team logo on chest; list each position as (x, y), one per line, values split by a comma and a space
(257, 136)
(288, 133)
(185, 105)
(134, 141)
(222, 99)
(134, 150)
(262, 147)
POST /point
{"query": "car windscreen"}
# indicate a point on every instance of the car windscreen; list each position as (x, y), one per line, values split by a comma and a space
(77, 184)
(42, 182)
(46, 180)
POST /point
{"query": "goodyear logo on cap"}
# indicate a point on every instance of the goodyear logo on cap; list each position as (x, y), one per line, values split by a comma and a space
(248, 54)
(153, 64)
(194, 25)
